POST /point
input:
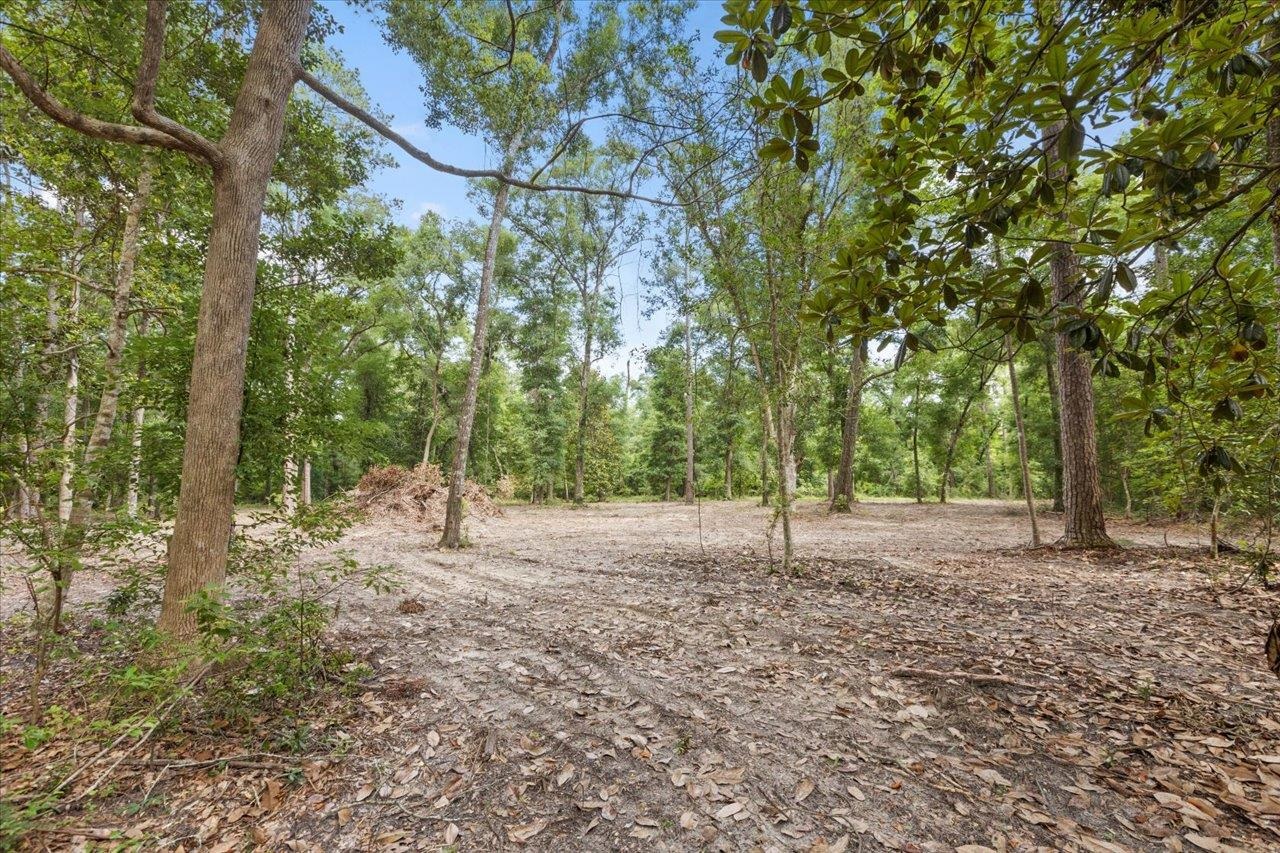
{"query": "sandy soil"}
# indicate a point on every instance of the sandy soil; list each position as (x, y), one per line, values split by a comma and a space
(635, 677)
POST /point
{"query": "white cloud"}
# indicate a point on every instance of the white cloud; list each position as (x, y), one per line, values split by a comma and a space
(413, 216)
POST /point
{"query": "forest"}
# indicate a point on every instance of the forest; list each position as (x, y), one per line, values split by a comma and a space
(651, 425)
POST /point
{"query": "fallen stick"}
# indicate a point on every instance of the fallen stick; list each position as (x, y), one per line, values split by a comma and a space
(975, 677)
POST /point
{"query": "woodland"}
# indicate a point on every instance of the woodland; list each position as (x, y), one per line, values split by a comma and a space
(843, 424)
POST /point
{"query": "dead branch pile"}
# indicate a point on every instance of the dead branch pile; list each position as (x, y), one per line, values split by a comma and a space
(420, 494)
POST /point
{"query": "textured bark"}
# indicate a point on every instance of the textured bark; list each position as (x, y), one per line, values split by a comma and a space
(71, 402)
(1051, 382)
(107, 407)
(206, 498)
(304, 496)
(1024, 462)
(844, 487)
(452, 536)
(1084, 524)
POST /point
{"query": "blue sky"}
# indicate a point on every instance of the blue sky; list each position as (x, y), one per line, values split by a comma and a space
(393, 83)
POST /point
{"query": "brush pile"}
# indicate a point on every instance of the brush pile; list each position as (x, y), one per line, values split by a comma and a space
(418, 494)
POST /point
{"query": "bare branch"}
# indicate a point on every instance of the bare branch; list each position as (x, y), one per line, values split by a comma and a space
(144, 89)
(422, 156)
(88, 125)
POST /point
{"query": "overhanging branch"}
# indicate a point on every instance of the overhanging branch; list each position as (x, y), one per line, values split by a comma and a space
(422, 156)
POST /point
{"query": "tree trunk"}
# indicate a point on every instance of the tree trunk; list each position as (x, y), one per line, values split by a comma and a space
(950, 458)
(135, 439)
(584, 390)
(1085, 526)
(1051, 381)
(766, 426)
(731, 410)
(206, 497)
(71, 403)
(101, 433)
(289, 478)
(452, 537)
(1024, 463)
(305, 495)
(688, 408)
(844, 496)
(1128, 495)
(915, 442)
(786, 477)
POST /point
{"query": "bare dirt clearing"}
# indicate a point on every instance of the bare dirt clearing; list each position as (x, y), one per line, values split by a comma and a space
(615, 685)
(595, 679)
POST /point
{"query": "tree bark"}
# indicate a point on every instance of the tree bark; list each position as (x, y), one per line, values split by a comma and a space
(1051, 382)
(139, 418)
(206, 498)
(688, 407)
(584, 386)
(107, 407)
(766, 426)
(1024, 463)
(305, 495)
(844, 496)
(1085, 526)
(289, 475)
(452, 536)
(915, 442)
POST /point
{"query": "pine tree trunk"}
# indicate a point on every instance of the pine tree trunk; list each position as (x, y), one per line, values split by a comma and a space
(688, 410)
(1051, 382)
(844, 497)
(1084, 524)
(584, 390)
(206, 497)
(452, 537)
(1024, 462)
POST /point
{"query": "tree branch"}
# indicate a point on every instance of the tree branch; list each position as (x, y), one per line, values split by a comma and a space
(88, 125)
(144, 89)
(424, 157)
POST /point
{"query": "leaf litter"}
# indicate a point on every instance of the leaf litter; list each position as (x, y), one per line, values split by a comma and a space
(599, 679)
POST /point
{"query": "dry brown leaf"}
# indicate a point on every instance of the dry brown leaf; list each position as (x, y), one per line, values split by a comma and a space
(521, 834)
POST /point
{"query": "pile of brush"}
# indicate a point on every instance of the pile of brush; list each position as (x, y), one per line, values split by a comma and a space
(419, 494)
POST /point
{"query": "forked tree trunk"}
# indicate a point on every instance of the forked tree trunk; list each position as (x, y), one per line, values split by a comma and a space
(950, 458)
(206, 498)
(452, 536)
(1024, 462)
(844, 488)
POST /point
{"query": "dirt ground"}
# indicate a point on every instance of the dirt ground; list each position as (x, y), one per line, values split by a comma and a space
(635, 677)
